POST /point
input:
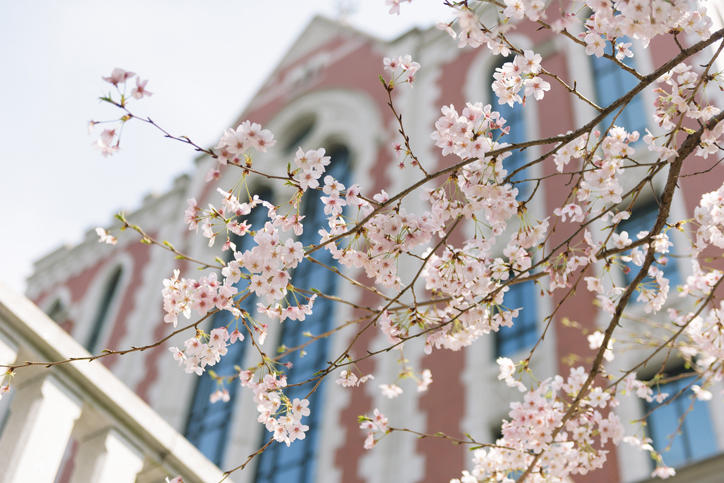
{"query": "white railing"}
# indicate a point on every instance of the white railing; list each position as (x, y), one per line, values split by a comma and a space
(117, 437)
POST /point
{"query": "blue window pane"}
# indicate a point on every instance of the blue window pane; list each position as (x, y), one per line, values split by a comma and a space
(279, 463)
(643, 219)
(524, 331)
(289, 473)
(681, 443)
(208, 424)
(515, 119)
(663, 423)
(613, 82)
(702, 441)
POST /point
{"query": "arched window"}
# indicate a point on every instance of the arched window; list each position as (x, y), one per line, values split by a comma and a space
(57, 311)
(302, 129)
(612, 82)
(208, 424)
(279, 463)
(109, 293)
(524, 331)
(515, 119)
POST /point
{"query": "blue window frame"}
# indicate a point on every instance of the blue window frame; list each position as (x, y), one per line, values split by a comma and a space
(208, 424)
(515, 118)
(611, 83)
(524, 331)
(643, 219)
(279, 463)
(694, 439)
(110, 292)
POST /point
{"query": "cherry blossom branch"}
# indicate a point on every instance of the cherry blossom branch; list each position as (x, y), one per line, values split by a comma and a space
(401, 128)
(572, 90)
(561, 140)
(248, 460)
(440, 435)
(625, 99)
(686, 148)
(672, 338)
(149, 240)
(354, 282)
(333, 298)
(108, 352)
(320, 336)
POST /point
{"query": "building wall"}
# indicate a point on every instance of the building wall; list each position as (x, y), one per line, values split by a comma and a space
(330, 74)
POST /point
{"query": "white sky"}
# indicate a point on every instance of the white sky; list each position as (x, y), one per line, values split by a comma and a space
(204, 59)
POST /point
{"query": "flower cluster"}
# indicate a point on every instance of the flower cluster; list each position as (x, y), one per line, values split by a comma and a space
(350, 379)
(290, 312)
(614, 20)
(679, 96)
(196, 354)
(403, 69)
(119, 77)
(375, 427)
(531, 431)
(387, 234)
(282, 417)
(652, 291)
(604, 181)
(109, 140)
(710, 217)
(235, 143)
(311, 167)
(469, 135)
(707, 341)
(610, 21)
(334, 203)
(511, 77)
(186, 296)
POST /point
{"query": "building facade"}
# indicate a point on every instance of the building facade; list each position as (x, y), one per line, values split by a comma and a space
(325, 93)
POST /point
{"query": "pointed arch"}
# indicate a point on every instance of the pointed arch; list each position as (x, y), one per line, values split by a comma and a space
(110, 293)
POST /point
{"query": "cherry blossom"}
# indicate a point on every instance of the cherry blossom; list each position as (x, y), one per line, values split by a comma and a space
(375, 427)
(118, 76)
(442, 255)
(140, 91)
(403, 69)
(105, 237)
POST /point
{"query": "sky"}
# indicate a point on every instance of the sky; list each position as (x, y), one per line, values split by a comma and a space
(204, 60)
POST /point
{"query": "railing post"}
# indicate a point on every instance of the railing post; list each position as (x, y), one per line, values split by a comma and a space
(106, 456)
(8, 355)
(41, 419)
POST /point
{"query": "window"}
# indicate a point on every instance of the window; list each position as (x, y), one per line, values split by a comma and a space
(524, 331)
(58, 312)
(280, 463)
(303, 128)
(516, 120)
(109, 293)
(611, 83)
(208, 424)
(643, 218)
(680, 441)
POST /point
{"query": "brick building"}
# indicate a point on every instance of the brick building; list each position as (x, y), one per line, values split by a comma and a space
(325, 92)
